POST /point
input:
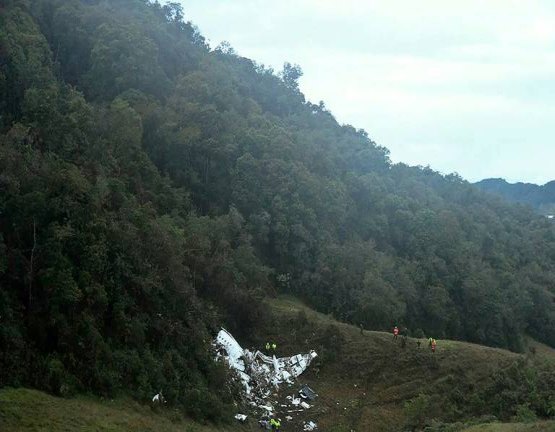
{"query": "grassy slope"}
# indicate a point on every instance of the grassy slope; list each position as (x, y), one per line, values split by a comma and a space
(363, 389)
(514, 427)
(30, 410)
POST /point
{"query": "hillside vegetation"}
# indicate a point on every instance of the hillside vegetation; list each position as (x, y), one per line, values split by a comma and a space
(152, 189)
(365, 382)
(368, 382)
(24, 410)
(541, 198)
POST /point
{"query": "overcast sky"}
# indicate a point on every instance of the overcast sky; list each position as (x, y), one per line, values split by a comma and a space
(463, 86)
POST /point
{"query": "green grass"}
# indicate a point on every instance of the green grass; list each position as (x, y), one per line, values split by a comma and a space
(24, 410)
(362, 388)
(366, 388)
(514, 427)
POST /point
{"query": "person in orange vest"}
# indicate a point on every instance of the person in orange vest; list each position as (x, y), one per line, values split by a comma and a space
(395, 332)
(433, 345)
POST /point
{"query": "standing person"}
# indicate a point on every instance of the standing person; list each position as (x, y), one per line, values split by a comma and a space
(275, 424)
(264, 423)
(433, 345)
(430, 342)
(268, 347)
(274, 346)
(395, 332)
(361, 329)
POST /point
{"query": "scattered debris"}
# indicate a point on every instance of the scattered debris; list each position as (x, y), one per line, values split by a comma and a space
(309, 426)
(260, 374)
(268, 408)
(307, 393)
(241, 417)
(159, 398)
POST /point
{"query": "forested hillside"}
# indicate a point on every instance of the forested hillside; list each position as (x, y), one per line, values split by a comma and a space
(152, 189)
(542, 198)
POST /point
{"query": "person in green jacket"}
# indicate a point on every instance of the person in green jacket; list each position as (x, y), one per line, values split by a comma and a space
(275, 424)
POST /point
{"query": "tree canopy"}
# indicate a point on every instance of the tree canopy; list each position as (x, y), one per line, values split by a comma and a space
(152, 189)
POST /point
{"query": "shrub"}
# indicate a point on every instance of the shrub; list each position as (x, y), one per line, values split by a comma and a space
(524, 414)
(416, 411)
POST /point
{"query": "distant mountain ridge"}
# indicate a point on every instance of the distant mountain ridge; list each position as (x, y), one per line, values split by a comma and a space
(542, 198)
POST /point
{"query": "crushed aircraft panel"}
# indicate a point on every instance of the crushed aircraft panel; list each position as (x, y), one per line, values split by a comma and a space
(307, 393)
(259, 373)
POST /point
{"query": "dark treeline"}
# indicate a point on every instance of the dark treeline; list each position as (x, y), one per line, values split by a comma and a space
(152, 188)
(542, 198)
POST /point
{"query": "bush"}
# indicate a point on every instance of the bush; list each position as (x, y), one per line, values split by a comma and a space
(416, 411)
(203, 405)
(332, 342)
(58, 379)
(419, 333)
(524, 414)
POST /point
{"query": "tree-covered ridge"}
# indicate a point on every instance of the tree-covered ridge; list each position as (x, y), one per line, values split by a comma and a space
(542, 198)
(152, 189)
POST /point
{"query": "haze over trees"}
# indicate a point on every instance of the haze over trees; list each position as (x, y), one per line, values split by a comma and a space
(152, 189)
(541, 198)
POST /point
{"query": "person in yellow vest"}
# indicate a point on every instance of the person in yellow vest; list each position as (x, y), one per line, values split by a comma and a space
(275, 424)
(274, 346)
(267, 346)
(434, 343)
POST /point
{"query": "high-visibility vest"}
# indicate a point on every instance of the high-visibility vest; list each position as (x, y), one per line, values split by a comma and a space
(274, 346)
(267, 345)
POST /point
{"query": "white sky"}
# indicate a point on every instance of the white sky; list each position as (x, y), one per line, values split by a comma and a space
(464, 86)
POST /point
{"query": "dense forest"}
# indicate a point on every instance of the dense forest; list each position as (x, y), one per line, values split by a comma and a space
(153, 188)
(541, 198)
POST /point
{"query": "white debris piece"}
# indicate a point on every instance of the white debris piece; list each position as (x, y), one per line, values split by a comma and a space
(260, 374)
(310, 426)
(159, 398)
(233, 350)
(267, 408)
(241, 417)
(305, 405)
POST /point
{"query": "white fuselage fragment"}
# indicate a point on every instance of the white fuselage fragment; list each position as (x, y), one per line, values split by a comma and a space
(257, 371)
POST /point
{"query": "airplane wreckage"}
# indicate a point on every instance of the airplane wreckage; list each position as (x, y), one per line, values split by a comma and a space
(261, 375)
